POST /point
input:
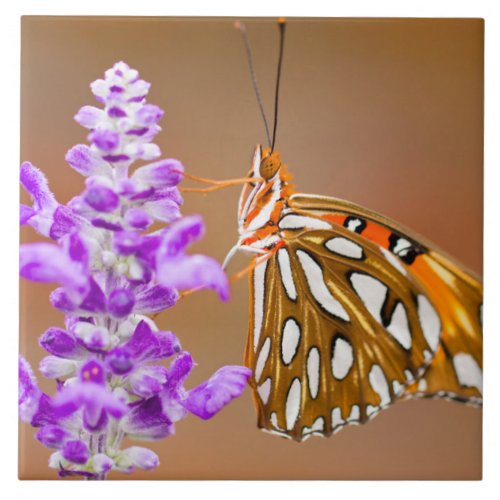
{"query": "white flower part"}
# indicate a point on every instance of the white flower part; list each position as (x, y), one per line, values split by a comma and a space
(56, 460)
(135, 271)
(137, 456)
(121, 394)
(92, 334)
(108, 258)
(54, 367)
(102, 463)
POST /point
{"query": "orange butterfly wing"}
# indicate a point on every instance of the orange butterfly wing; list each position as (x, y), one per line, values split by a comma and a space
(456, 371)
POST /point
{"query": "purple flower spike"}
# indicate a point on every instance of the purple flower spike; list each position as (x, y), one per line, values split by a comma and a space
(211, 396)
(76, 452)
(101, 198)
(121, 302)
(113, 273)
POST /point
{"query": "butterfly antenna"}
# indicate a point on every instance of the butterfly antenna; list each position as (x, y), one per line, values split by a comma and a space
(241, 27)
(281, 26)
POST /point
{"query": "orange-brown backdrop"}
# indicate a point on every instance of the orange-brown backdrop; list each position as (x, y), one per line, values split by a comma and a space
(386, 113)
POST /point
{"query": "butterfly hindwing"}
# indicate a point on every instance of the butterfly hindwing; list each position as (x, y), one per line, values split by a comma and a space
(335, 332)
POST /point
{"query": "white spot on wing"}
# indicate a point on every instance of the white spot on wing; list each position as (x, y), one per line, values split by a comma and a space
(258, 303)
(317, 285)
(399, 327)
(397, 387)
(430, 322)
(342, 358)
(292, 404)
(290, 340)
(264, 390)
(468, 372)
(337, 417)
(313, 368)
(371, 291)
(379, 384)
(316, 429)
(422, 384)
(261, 360)
(354, 415)
(344, 247)
(394, 261)
(293, 221)
(286, 273)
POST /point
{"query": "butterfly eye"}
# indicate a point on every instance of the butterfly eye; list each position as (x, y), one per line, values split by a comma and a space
(269, 166)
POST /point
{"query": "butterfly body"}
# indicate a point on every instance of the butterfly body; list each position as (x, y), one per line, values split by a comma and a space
(348, 310)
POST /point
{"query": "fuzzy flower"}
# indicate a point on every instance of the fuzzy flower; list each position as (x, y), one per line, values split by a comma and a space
(117, 374)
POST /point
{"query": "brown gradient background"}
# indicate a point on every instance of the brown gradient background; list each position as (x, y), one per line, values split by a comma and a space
(386, 113)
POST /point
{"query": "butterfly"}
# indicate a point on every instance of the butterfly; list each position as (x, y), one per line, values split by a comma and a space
(349, 311)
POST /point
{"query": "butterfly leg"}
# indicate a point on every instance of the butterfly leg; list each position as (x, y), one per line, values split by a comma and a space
(216, 185)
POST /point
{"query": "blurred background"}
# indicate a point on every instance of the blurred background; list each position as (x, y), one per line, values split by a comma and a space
(387, 113)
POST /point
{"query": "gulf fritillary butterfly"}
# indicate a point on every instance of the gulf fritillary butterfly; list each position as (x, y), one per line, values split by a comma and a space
(349, 311)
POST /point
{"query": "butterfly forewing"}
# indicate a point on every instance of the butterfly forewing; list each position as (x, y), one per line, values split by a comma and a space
(335, 333)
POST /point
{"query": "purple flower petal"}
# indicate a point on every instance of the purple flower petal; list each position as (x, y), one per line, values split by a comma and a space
(37, 186)
(127, 242)
(121, 303)
(211, 396)
(164, 210)
(136, 456)
(29, 393)
(52, 436)
(26, 214)
(119, 361)
(179, 371)
(163, 173)
(153, 299)
(54, 367)
(48, 263)
(105, 140)
(147, 421)
(102, 223)
(194, 271)
(89, 116)
(86, 162)
(65, 221)
(61, 344)
(101, 198)
(181, 234)
(102, 463)
(148, 380)
(148, 114)
(76, 452)
(137, 218)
